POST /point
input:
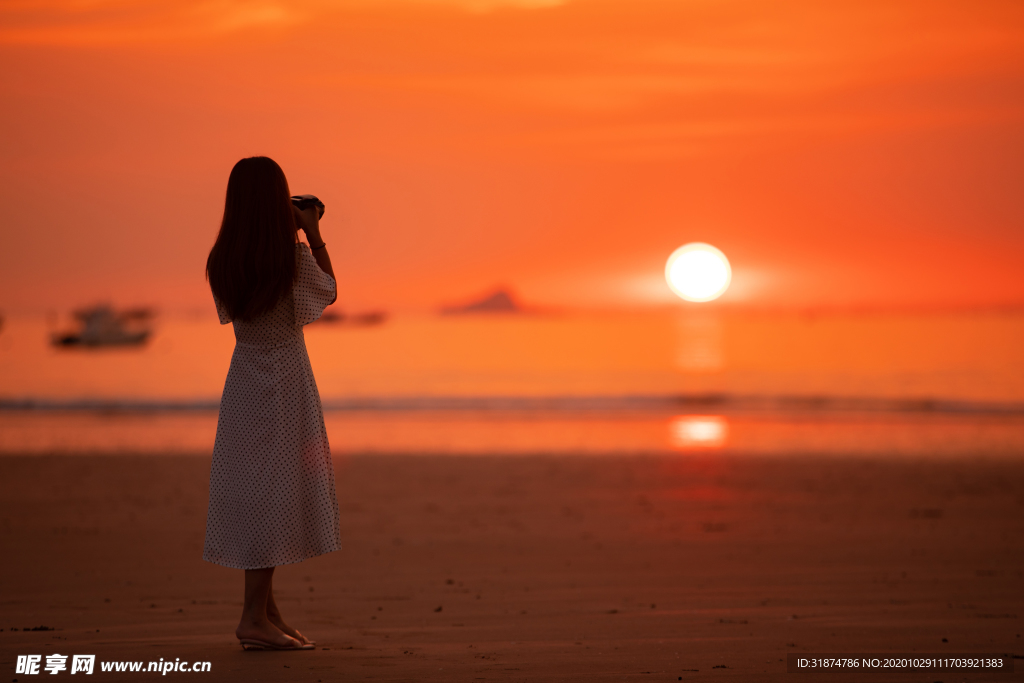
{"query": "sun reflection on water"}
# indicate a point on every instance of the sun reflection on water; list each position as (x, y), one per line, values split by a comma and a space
(698, 431)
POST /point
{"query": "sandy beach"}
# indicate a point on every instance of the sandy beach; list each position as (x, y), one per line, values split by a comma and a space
(453, 568)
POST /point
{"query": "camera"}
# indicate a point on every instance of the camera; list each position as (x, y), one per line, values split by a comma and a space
(304, 201)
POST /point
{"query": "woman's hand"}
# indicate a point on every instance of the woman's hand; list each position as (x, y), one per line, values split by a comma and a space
(309, 222)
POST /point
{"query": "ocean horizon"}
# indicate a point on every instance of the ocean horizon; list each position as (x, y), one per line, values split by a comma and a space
(934, 384)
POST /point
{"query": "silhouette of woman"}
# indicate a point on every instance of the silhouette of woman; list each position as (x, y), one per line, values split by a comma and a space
(272, 495)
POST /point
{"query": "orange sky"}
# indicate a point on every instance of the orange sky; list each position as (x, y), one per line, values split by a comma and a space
(842, 154)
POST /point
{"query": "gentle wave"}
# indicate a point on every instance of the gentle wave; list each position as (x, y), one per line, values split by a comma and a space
(632, 403)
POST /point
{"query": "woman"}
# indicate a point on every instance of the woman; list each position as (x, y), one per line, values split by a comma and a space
(272, 497)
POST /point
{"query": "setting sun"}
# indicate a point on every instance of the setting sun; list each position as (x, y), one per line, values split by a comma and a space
(698, 272)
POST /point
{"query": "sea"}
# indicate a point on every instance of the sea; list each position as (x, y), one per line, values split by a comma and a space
(939, 384)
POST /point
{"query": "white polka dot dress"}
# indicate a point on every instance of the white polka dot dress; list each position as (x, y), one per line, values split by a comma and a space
(272, 496)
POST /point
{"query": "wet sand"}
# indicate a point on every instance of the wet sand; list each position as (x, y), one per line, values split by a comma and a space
(530, 568)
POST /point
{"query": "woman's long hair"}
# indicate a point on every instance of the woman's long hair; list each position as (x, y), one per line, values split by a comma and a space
(252, 263)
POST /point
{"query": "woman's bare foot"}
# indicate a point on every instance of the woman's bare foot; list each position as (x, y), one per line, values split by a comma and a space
(277, 621)
(265, 632)
(274, 615)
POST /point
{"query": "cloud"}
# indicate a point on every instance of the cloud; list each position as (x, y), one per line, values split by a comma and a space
(481, 6)
(90, 22)
(100, 22)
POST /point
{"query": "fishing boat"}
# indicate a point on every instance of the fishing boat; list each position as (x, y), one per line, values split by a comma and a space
(364, 319)
(103, 326)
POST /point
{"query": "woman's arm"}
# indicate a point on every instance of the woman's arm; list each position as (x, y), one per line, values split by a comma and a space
(309, 222)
